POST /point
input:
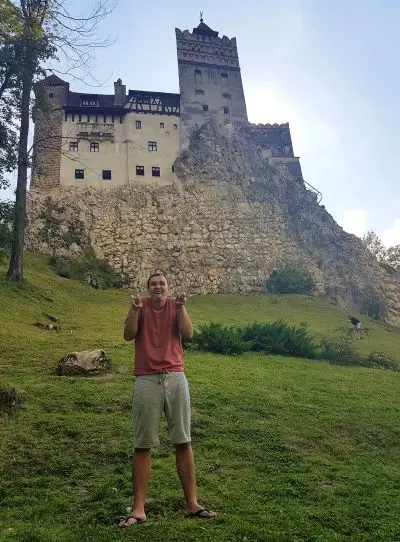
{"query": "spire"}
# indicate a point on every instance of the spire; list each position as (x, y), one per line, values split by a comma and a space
(203, 29)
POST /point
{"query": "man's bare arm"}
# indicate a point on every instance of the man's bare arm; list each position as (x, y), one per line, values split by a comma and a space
(185, 325)
(131, 322)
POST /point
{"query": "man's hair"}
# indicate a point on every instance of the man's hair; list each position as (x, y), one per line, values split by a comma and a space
(157, 273)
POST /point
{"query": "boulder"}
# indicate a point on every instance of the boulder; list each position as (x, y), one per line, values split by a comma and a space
(86, 363)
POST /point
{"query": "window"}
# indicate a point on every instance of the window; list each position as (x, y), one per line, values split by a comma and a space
(155, 171)
(161, 125)
(173, 168)
(73, 146)
(227, 96)
(94, 147)
(79, 174)
(105, 119)
(107, 174)
(80, 118)
(73, 118)
(51, 95)
(138, 124)
(175, 126)
(139, 170)
(198, 77)
(224, 75)
(224, 79)
(205, 107)
(199, 91)
(152, 145)
(89, 100)
(226, 110)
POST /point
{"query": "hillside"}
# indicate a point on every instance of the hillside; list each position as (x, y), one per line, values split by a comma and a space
(286, 449)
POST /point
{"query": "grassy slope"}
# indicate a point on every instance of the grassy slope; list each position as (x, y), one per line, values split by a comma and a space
(286, 449)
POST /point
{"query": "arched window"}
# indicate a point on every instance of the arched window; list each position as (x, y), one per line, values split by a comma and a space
(198, 77)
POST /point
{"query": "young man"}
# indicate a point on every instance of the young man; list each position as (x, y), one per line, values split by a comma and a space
(157, 324)
(357, 324)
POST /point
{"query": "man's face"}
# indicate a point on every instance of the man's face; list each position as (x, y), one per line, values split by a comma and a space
(158, 288)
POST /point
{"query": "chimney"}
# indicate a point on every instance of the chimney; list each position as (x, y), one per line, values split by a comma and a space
(119, 92)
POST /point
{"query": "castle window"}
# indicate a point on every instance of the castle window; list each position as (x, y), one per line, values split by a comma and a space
(89, 101)
(80, 118)
(138, 124)
(227, 96)
(161, 125)
(205, 107)
(155, 171)
(226, 110)
(73, 146)
(175, 126)
(51, 95)
(173, 168)
(224, 75)
(152, 145)
(199, 91)
(94, 146)
(224, 79)
(79, 174)
(139, 170)
(107, 174)
(198, 77)
(105, 119)
(73, 118)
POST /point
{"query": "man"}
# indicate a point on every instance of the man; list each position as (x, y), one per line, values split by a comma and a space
(157, 323)
(357, 325)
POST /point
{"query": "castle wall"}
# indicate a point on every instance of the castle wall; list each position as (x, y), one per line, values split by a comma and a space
(210, 81)
(121, 147)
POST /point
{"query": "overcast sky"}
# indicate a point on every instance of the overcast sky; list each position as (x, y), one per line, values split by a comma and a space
(328, 67)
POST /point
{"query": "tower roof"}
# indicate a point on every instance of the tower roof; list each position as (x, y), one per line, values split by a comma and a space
(204, 30)
(54, 81)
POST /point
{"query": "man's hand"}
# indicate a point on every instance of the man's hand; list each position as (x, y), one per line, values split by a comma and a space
(136, 302)
(180, 301)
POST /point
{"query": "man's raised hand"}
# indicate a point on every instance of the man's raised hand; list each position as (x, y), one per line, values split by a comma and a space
(180, 301)
(136, 302)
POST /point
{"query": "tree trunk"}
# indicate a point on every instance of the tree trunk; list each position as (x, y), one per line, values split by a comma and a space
(15, 270)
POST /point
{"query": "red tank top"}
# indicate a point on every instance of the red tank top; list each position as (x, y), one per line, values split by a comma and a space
(158, 343)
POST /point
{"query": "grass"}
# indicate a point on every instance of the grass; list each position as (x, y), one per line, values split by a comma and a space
(286, 449)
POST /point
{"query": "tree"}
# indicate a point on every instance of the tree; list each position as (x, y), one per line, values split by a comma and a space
(374, 245)
(33, 32)
(393, 257)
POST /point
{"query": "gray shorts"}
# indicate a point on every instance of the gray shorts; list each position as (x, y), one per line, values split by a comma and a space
(153, 395)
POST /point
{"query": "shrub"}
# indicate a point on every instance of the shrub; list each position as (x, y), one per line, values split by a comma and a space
(10, 400)
(373, 303)
(340, 349)
(290, 279)
(88, 269)
(280, 338)
(380, 360)
(216, 337)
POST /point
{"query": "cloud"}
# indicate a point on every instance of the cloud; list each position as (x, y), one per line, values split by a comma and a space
(391, 235)
(355, 221)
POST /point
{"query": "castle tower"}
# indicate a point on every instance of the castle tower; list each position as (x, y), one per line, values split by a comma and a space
(51, 97)
(209, 79)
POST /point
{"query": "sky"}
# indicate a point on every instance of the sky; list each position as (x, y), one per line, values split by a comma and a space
(329, 68)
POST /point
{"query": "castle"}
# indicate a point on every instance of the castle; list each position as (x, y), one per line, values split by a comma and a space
(110, 140)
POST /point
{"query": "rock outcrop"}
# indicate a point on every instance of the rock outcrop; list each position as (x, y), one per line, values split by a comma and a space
(232, 217)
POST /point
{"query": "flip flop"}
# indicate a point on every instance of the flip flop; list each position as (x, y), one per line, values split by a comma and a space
(200, 514)
(138, 521)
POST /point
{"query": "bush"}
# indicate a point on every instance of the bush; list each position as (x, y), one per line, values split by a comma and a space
(290, 279)
(10, 400)
(380, 360)
(88, 269)
(340, 349)
(220, 339)
(373, 303)
(280, 338)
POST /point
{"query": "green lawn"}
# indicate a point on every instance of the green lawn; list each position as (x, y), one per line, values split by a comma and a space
(286, 449)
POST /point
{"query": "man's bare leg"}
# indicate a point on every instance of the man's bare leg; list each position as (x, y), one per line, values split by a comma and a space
(141, 468)
(187, 476)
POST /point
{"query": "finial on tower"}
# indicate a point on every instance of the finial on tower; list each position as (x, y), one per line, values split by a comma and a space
(201, 16)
